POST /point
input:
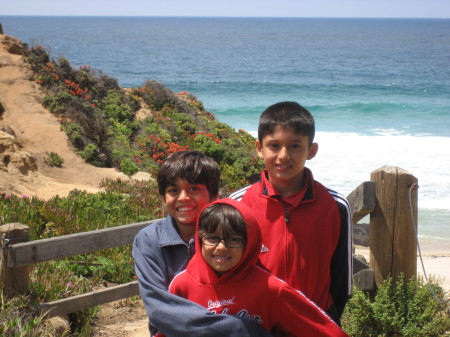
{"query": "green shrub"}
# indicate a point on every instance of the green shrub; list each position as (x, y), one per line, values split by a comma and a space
(73, 131)
(156, 95)
(186, 122)
(128, 167)
(53, 159)
(58, 103)
(114, 107)
(208, 146)
(119, 113)
(101, 84)
(91, 155)
(399, 309)
(95, 130)
(37, 57)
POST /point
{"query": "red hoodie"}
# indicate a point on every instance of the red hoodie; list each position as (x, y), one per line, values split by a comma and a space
(250, 292)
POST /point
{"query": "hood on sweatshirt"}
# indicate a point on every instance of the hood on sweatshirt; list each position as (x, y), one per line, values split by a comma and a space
(199, 269)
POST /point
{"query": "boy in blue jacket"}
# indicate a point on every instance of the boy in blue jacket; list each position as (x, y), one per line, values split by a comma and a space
(187, 181)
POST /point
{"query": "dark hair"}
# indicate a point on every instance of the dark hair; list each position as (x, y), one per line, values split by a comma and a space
(286, 115)
(224, 219)
(193, 166)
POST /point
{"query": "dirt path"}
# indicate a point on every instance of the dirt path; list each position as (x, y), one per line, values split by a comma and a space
(120, 319)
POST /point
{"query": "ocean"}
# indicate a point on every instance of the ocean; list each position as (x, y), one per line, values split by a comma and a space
(379, 88)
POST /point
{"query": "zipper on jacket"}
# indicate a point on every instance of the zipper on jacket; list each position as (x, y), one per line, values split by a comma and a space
(286, 215)
(190, 245)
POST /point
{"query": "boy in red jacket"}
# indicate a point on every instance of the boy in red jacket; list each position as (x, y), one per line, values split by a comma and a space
(223, 276)
(305, 227)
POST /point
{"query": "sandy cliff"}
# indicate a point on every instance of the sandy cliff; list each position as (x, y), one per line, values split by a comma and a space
(28, 132)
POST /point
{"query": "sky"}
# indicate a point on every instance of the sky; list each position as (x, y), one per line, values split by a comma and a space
(232, 8)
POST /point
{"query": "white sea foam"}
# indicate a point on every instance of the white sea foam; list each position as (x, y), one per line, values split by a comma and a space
(347, 159)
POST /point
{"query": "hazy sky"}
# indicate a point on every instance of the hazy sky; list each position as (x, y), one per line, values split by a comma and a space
(257, 8)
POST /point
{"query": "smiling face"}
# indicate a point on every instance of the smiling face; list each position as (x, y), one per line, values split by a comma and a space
(284, 153)
(220, 257)
(184, 201)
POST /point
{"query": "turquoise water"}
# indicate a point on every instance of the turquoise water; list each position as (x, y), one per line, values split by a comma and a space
(378, 88)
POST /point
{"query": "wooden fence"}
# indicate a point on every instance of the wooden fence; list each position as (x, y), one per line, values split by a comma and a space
(385, 198)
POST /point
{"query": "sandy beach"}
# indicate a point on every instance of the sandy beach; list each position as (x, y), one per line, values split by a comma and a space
(436, 261)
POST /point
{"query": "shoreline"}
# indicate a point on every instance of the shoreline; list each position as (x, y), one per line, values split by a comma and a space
(436, 259)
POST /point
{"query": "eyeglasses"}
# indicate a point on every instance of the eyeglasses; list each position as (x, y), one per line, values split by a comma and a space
(214, 240)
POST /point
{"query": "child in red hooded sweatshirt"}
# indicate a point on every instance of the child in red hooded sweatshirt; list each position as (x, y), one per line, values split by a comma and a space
(223, 276)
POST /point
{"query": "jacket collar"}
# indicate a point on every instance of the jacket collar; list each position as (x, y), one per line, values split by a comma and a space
(267, 188)
(169, 234)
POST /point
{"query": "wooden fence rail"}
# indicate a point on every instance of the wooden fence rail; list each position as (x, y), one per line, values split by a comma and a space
(23, 254)
(27, 253)
(383, 197)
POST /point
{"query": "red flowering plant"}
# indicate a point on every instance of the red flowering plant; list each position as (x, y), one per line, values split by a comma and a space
(209, 135)
(154, 149)
(48, 75)
(76, 90)
(37, 56)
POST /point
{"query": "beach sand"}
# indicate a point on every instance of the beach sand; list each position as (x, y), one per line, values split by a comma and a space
(436, 261)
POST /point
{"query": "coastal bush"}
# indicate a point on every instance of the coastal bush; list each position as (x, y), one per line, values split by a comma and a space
(100, 120)
(401, 308)
(209, 145)
(93, 129)
(37, 57)
(156, 95)
(73, 131)
(128, 167)
(186, 122)
(53, 159)
(119, 113)
(91, 154)
(152, 149)
(75, 95)
(58, 103)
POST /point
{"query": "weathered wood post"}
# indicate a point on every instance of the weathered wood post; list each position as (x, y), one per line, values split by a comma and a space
(13, 280)
(393, 246)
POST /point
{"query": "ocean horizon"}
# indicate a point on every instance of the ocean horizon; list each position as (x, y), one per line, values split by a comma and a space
(378, 88)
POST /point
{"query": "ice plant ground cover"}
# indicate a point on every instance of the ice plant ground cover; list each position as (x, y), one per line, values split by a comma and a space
(121, 203)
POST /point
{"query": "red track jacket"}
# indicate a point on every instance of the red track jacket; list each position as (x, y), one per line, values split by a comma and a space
(308, 245)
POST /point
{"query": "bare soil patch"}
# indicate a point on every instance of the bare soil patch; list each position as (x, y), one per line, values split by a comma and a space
(120, 319)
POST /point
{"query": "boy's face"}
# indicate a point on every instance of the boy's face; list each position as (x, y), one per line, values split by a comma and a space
(284, 153)
(184, 201)
(220, 257)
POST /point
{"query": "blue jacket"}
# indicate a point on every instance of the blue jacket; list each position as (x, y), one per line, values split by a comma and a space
(159, 254)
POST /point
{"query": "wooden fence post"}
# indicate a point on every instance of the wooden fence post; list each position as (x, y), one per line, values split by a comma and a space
(13, 280)
(393, 246)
